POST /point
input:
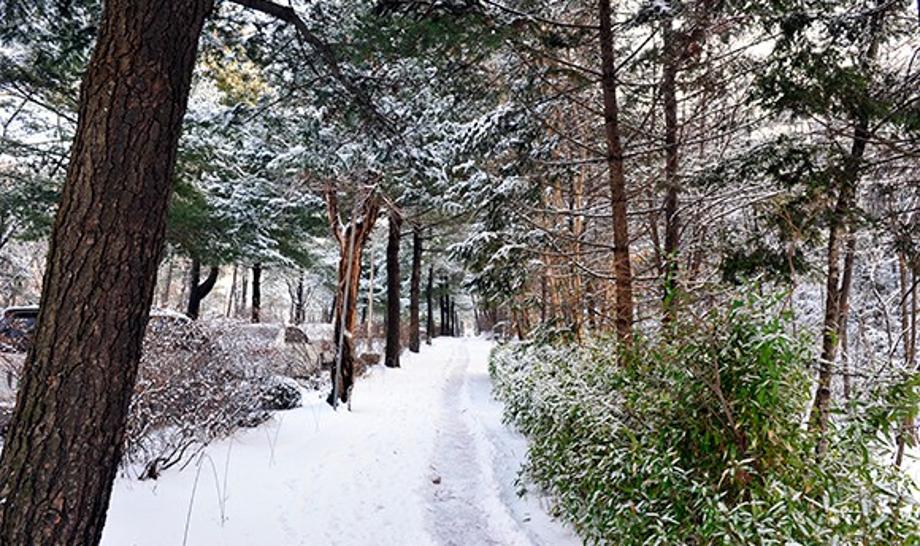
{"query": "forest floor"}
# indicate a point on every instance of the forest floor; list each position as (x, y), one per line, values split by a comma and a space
(423, 458)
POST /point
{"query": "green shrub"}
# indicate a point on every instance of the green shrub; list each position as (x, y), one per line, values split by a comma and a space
(699, 441)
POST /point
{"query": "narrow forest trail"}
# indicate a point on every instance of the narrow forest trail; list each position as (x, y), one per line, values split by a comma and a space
(422, 459)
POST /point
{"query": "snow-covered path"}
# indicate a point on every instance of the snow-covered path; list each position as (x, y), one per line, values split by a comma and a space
(423, 458)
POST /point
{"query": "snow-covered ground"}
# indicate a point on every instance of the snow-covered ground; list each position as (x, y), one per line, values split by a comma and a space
(423, 458)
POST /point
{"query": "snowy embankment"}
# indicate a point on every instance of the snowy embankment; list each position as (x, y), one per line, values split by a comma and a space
(423, 458)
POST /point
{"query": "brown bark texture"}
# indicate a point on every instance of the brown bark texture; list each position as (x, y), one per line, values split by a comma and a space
(64, 442)
(621, 261)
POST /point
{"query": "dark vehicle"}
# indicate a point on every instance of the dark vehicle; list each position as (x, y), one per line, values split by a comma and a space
(17, 324)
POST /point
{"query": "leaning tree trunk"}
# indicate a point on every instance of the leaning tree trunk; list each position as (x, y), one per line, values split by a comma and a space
(414, 289)
(393, 348)
(622, 269)
(64, 442)
(197, 291)
(352, 240)
(429, 300)
(256, 293)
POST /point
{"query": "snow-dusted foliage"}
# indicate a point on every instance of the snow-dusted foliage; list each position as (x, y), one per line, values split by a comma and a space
(199, 382)
(700, 440)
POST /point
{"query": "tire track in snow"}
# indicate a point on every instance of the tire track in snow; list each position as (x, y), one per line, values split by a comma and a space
(465, 508)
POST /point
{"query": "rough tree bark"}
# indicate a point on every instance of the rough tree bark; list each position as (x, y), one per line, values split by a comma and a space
(622, 267)
(256, 315)
(393, 348)
(414, 289)
(198, 290)
(64, 443)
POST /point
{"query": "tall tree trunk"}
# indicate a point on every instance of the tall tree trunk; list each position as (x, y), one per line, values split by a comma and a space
(672, 189)
(453, 319)
(429, 297)
(846, 195)
(197, 291)
(414, 281)
(256, 315)
(64, 442)
(908, 312)
(621, 262)
(847, 181)
(393, 305)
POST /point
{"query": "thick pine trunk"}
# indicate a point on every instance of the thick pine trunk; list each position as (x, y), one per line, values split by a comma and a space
(64, 443)
(429, 300)
(622, 268)
(256, 315)
(199, 290)
(393, 347)
(414, 289)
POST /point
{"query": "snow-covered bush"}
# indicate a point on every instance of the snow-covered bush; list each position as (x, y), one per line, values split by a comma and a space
(197, 382)
(702, 441)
